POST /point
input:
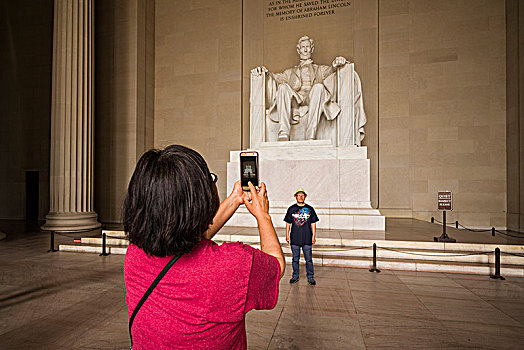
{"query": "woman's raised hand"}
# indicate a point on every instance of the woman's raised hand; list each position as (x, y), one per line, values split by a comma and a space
(257, 202)
(237, 195)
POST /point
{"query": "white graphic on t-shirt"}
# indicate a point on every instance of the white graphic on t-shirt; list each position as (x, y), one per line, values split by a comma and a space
(301, 216)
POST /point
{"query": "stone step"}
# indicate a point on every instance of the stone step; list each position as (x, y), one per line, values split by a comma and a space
(114, 233)
(91, 248)
(386, 263)
(417, 265)
(409, 250)
(84, 248)
(109, 241)
(437, 247)
(326, 254)
(337, 242)
(396, 255)
(349, 242)
(414, 254)
(119, 250)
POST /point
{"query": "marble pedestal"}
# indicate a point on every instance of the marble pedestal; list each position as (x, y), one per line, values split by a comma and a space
(337, 180)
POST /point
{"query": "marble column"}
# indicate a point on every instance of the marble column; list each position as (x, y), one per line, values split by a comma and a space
(71, 170)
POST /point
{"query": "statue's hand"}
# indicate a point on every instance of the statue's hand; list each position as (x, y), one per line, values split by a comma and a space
(258, 71)
(339, 61)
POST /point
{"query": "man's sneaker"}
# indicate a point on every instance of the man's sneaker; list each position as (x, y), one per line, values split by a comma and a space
(294, 280)
(311, 281)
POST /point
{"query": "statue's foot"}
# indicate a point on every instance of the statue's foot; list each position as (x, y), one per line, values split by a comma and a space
(283, 137)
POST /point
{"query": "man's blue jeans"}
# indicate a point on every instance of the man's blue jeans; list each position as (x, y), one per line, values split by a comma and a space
(307, 250)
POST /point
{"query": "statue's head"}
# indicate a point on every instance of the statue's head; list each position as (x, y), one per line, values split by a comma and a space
(305, 47)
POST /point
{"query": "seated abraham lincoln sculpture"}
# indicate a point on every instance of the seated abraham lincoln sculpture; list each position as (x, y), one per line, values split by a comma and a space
(291, 105)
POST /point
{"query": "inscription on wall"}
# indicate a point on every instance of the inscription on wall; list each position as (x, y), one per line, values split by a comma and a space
(286, 10)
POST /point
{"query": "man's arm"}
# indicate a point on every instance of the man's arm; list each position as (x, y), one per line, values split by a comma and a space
(226, 210)
(288, 228)
(314, 230)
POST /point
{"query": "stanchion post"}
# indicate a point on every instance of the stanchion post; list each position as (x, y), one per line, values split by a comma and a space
(493, 232)
(374, 267)
(52, 248)
(432, 220)
(497, 275)
(104, 245)
(444, 236)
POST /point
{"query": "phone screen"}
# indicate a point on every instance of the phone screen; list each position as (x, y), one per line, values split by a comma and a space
(248, 170)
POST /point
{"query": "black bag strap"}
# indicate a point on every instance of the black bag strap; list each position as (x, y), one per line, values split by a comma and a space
(150, 290)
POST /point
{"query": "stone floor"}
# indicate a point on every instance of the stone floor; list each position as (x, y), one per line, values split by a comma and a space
(76, 301)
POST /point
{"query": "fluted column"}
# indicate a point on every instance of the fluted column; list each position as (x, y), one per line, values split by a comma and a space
(71, 193)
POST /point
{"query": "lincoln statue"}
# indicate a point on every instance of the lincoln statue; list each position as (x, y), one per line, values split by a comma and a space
(303, 93)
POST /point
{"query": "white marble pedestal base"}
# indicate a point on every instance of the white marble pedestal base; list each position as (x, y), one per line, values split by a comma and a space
(337, 181)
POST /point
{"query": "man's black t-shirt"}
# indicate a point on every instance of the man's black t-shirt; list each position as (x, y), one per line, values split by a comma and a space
(301, 218)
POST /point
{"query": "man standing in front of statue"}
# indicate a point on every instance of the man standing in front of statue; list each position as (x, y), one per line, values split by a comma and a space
(300, 233)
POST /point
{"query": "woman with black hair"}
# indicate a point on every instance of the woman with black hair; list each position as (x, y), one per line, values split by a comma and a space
(170, 213)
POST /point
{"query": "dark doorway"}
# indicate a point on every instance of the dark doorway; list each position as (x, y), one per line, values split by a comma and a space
(31, 195)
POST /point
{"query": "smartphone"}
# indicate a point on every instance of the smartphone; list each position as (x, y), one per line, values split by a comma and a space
(248, 169)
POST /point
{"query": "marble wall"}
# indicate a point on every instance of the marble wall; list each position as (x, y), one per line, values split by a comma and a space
(442, 109)
(433, 73)
(515, 113)
(26, 38)
(198, 55)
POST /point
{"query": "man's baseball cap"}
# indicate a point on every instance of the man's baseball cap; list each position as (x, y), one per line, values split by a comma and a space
(300, 190)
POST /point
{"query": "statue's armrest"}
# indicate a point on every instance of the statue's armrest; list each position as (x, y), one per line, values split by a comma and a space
(345, 120)
(345, 84)
(257, 90)
(257, 109)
